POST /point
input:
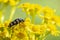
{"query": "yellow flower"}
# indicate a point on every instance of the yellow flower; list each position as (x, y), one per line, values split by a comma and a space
(37, 8)
(5, 1)
(48, 12)
(34, 9)
(43, 29)
(22, 25)
(27, 21)
(12, 2)
(31, 9)
(38, 29)
(14, 38)
(0, 25)
(55, 20)
(1, 0)
(25, 6)
(55, 33)
(4, 33)
(6, 23)
(53, 29)
(35, 29)
(21, 35)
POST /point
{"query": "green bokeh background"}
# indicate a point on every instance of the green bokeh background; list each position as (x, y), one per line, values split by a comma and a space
(55, 4)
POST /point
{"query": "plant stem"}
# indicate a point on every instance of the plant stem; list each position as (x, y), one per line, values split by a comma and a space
(1, 13)
(1, 17)
(33, 18)
(12, 13)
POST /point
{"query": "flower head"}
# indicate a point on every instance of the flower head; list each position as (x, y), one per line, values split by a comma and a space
(5, 1)
(27, 21)
(53, 30)
(21, 35)
(35, 29)
(13, 2)
(48, 12)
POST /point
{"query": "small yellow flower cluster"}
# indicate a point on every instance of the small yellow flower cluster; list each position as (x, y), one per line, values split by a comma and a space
(44, 12)
(4, 1)
(27, 30)
(49, 23)
(31, 9)
(10, 2)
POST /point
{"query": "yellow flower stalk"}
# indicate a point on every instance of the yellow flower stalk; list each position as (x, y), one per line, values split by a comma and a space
(37, 8)
(33, 10)
(25, 7)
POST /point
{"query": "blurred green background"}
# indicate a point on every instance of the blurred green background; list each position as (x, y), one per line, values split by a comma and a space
(55, 4)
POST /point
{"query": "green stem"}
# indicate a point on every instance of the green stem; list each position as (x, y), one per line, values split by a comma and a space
(33, 18)
(1, 13)
(36, 38)
(12, 12)
(27, 15)
(1, 16)
(30, 35)
(43, 37)
(46, 35)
